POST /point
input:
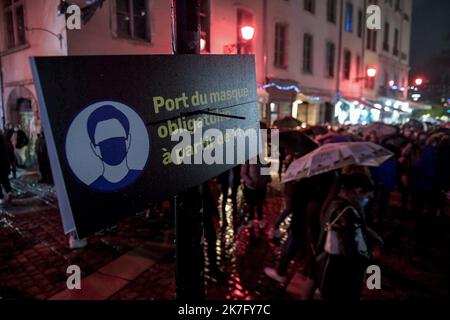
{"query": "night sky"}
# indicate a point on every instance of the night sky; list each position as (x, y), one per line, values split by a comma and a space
(430, 28)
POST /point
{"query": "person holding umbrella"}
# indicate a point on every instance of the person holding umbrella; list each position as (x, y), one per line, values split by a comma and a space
(343, 252)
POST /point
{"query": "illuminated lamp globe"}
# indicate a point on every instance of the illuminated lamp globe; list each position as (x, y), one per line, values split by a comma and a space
(247, 33)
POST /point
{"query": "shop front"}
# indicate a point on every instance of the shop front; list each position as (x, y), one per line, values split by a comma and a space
(282, 95)
(314, 107)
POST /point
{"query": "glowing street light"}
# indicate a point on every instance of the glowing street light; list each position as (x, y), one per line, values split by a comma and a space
(418, 81)
(371, 72)
(247, 33)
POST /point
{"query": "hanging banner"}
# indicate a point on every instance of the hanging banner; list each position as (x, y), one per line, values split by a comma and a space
(125, 131)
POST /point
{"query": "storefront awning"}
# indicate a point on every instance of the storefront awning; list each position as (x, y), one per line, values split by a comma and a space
(315, 97)
(281, 90)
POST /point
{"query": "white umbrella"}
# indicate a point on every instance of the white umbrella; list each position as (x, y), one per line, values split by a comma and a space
(334, 156)
(380, 128)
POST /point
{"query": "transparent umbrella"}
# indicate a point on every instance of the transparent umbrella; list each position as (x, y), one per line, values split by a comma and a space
(334, 156)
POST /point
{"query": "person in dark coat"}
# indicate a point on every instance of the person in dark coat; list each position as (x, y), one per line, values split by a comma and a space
(9, 131)
(343, 252)
(255, 186)
(386, 179)
(443, 176)
(423, 180)
(5, 165)
(43, 161)
(307, 198)
(229, 178)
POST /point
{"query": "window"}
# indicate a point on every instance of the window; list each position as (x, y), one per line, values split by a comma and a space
(371, 41)
(358, 67)
(133, 19)
(14, 23)
(331, 11)
(307, 53)
(280, 45)
(347, 64)
(396, 42)
(349, 17)
(310, 5)
(386, 37)
(398, 5)
(369, 83)
(360, 23)
(205, 24)
(244, 17)
(330, 54)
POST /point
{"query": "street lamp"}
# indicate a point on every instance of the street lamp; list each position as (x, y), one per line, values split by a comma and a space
(418, 81)
(371, 72)
(247, 33)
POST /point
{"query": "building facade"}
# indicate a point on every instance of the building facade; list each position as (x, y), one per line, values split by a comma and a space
(310, 55)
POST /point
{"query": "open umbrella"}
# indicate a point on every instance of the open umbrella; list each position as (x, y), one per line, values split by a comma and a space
(336, 137)
(334, 156)
(295, 141)
(435, 137)
(315, 130)
(380, 128)
(415, 125)
(395, 142)
(287, 123)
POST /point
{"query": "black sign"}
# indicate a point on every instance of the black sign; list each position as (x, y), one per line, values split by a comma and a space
(109, 121)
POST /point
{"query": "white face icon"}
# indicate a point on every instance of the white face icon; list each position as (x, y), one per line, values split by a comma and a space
(110, 152)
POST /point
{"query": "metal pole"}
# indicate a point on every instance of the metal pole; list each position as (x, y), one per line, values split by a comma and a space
(266, 62)
(188, 206)
(2, 92)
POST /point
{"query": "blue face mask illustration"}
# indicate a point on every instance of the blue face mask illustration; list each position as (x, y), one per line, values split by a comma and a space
(113, 150)
(364, 202)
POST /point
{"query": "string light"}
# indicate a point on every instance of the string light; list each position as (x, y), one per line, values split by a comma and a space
(282, 88)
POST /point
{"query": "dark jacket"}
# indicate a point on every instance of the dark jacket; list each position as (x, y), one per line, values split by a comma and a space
(351, 226)
(423, 174)
(252, 177)
(340, 277)
(5, 157)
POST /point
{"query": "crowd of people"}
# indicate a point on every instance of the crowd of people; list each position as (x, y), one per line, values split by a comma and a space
(13, 141)
(334, 218)
(338, 216)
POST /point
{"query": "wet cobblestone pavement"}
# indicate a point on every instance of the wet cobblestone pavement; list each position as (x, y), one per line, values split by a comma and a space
(34, 255)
